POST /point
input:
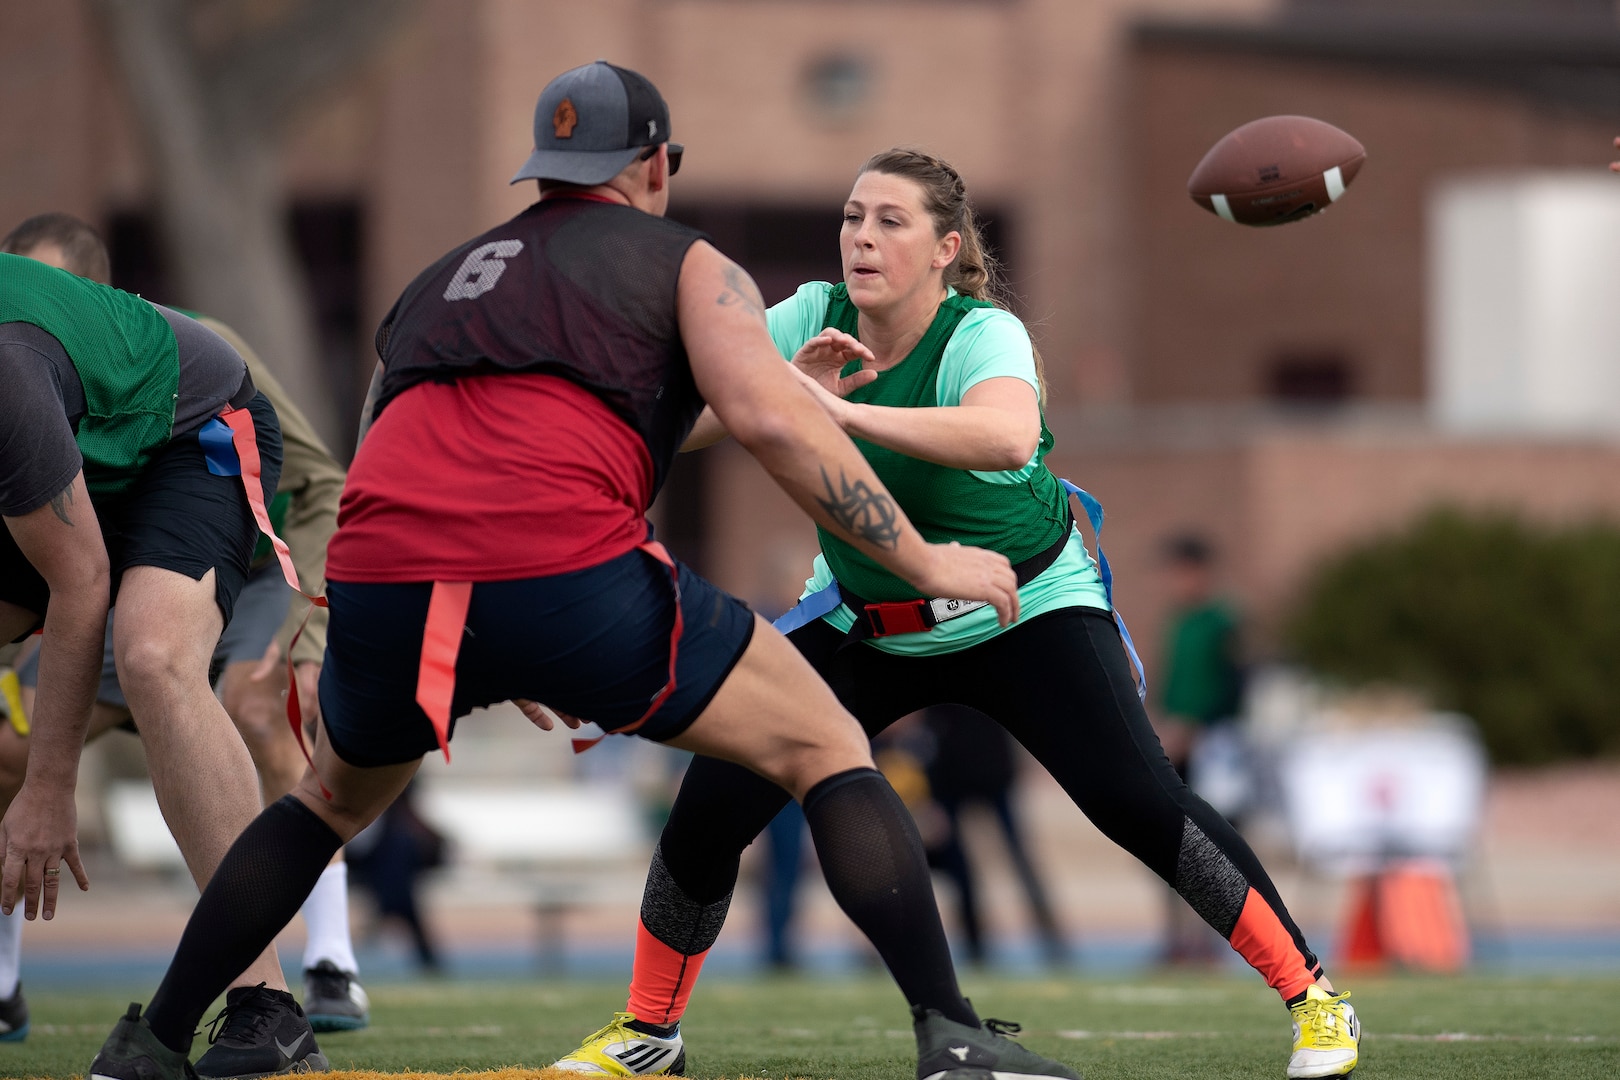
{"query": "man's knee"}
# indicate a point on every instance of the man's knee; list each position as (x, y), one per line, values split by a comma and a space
(147, 667)
(164, 636)
(258, 710)
(256, 705)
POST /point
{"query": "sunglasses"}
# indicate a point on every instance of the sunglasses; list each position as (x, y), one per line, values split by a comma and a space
(675, 152)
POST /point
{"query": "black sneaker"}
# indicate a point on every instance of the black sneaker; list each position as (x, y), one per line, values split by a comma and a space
(14, 1017)
(132, 1052)
(260, 1032)
(947, 1050)
(334, 999)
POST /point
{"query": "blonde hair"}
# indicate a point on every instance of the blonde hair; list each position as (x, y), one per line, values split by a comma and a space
(975, 272)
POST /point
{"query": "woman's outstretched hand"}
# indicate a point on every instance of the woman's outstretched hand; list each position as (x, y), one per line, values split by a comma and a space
(826, 354)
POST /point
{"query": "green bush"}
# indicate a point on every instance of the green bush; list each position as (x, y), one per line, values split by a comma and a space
(1516, 625)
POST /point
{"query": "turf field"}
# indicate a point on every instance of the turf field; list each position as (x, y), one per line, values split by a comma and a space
(1188, 1028)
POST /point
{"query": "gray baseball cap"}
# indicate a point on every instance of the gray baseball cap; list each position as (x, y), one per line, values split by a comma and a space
(591, 122)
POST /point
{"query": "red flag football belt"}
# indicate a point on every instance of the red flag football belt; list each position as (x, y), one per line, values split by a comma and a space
(441, 645)
(243, 443)
(875, 620)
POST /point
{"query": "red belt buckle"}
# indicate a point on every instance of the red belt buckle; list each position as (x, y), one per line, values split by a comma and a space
(904, 617)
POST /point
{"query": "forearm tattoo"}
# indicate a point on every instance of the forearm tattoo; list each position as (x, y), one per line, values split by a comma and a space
(741, 292)
(59, 505)
(870, 515)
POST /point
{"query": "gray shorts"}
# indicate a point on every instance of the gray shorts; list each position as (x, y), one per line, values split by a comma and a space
(261, 608)
(109, 693)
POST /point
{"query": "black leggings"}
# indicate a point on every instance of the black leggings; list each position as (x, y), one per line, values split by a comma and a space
(1061, 684)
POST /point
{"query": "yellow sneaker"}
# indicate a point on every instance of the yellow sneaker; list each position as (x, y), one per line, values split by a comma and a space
(619, 1050)
(1327, 1035)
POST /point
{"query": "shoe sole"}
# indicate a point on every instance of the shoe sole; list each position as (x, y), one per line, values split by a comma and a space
(992, 1074)
(337, 1021)
(313, 1063)
(675, 1068)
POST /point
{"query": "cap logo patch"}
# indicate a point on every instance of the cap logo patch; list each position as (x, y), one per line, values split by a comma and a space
(652, 129)
(564, 119)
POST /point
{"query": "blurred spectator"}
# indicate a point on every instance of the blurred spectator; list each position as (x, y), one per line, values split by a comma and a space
(941, 761)
(782, 842)
(784, 863)
(388, 859)
(1201, 694)
(974, 763)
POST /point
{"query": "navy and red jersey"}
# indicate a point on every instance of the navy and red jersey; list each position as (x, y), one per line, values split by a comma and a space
(535, 391)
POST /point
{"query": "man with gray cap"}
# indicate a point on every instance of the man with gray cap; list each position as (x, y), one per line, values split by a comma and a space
(492, 544)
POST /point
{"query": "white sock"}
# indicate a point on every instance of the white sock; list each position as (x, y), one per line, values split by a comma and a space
(10, 949)
(326, 919)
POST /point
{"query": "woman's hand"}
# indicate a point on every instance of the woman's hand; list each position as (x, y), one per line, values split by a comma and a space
(958, 572)
(834, 405)
(826, 354)
(1614, 166)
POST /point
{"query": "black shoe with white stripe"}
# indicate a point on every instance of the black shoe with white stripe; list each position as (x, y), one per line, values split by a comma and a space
(947, 1050)
(260, 1032)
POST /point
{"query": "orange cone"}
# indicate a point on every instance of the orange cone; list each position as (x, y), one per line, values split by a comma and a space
(1424, 927)
(1408, 914)
(1362, 946)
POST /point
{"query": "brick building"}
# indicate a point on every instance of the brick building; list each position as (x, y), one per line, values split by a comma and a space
(1269, 387)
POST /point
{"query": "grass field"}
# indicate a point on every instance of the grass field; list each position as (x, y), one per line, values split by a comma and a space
(1189, 1028)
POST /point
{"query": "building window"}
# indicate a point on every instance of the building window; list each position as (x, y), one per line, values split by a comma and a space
(1313, 378)
(837, 86)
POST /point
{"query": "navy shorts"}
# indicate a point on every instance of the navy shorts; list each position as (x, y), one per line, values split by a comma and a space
(177, 516)
(593, 643)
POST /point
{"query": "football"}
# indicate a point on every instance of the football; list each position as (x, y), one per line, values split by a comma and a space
(1276, 170)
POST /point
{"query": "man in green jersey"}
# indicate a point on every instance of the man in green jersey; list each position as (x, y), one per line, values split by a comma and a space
(120, 430)
(1200, 696)
(251, 683)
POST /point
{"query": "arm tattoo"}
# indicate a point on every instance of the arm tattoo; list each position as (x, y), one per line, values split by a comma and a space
(872, 516)
(741, 292)
(59, 505)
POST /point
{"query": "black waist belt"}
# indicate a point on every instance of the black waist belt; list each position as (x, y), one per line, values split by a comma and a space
(875, 620)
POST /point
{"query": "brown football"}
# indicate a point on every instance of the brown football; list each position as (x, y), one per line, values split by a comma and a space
(1276, 170)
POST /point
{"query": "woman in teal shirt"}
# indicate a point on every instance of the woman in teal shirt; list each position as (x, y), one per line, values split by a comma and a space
(941, 389)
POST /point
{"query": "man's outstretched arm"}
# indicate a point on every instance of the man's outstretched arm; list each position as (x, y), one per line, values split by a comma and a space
(760, 401)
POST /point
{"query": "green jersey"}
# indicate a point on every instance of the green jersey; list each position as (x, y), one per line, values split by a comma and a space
(1203, 681)
(125, 355)
(1019, 513)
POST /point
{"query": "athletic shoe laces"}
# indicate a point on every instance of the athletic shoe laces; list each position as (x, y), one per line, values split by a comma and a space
(616, 1029)
(240, 1021)
(1324, 1023)
(1001, 1027)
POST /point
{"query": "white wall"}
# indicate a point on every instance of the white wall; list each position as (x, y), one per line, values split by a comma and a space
(1524, 304)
